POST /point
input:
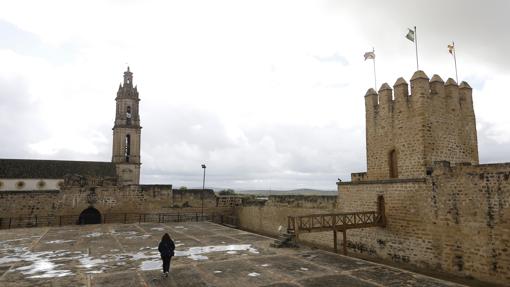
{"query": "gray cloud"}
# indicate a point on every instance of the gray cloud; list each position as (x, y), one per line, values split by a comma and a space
(491, 150)
(479, 28)
(19, 118)
(282, 156)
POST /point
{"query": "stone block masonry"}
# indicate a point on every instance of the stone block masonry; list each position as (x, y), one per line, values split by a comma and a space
(268, 216)
(407, 132)
(79, 193)
(456, 220)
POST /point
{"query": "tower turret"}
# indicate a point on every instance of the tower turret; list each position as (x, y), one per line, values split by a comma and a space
(406, 132)
(127, 132)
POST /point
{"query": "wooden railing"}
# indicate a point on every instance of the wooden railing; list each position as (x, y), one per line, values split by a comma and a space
(337, 222)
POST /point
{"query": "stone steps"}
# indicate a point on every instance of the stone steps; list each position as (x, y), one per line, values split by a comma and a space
(285, 240)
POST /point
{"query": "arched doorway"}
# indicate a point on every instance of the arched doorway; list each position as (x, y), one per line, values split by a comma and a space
(90, 216)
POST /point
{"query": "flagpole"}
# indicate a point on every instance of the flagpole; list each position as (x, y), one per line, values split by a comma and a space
(416, 47)
(455, 61)
(375, 77)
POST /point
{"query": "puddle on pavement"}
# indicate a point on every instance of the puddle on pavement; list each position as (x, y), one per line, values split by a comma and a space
(93, 234)
(44, 269)
(48, 264)
(194, 253)
(58, 241)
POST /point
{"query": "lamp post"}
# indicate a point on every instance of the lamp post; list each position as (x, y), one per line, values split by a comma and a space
(203, 188)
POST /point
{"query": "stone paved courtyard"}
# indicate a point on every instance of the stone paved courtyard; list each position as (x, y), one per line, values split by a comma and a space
(207, 254)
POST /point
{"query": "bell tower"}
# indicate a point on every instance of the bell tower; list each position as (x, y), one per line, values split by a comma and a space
(126, 132)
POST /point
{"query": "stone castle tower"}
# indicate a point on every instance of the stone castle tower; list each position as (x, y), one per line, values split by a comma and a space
(406, 132)
(126, 132)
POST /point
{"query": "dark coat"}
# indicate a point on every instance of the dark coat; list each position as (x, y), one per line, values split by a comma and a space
(166, 248)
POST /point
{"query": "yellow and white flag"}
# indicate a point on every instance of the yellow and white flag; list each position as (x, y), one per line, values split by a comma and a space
(451, 48)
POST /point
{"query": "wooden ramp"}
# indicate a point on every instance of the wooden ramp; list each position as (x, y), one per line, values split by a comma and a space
(337, 222)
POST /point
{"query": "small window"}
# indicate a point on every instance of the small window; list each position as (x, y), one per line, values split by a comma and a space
(41, 184)
(127, 147)
(128, 116)
(20, 184)
(393, 166)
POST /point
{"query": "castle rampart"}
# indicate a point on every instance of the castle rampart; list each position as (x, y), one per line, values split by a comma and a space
(455, 220)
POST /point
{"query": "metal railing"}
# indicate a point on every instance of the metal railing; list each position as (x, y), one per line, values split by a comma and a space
(61, 220)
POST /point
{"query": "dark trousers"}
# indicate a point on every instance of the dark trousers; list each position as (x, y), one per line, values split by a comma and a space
(166, 263)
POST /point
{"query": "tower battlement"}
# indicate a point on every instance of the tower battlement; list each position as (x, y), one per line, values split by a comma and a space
(407, 130)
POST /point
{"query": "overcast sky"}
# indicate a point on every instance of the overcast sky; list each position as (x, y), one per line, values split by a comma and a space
(268, 94)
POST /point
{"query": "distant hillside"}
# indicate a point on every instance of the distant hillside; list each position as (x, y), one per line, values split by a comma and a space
(302, 191)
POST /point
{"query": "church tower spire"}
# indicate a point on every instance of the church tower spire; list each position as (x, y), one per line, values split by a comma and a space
(126, 132)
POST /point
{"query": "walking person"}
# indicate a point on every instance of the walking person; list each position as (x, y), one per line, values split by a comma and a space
(166, 249)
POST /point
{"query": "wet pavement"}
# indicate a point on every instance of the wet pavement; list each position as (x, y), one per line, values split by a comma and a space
(207, 254)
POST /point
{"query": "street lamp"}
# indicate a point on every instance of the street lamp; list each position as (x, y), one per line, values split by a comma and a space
(203, 188)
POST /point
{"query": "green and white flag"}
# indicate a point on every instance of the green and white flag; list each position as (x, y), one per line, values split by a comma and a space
(410, 35)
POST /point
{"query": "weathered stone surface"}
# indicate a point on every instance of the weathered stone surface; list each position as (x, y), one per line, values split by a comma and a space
(420, 128)
(126, 255)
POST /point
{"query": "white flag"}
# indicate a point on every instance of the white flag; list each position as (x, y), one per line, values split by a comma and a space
(410, 35)
(369, 55)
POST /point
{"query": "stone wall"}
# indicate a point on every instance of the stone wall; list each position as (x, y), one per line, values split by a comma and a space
(266, 216)
(79, 193)
(456, 220)
(25, 203)
(434, 122)
(192, 198)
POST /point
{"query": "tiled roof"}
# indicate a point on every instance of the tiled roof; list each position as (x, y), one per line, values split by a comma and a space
(53, 169)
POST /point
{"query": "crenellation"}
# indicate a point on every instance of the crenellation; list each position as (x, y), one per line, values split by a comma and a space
(385, 96)
(452, 96)
(437, 86)
(469, 120)
(401, 96)
(385, 112)
(407, 133)
(371, 99)
(420, 90)
(358, 176)
(466, 98)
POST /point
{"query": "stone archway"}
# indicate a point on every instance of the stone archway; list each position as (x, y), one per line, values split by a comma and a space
(90, 216)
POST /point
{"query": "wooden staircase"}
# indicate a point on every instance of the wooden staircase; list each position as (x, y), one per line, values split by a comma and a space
(287, 240)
